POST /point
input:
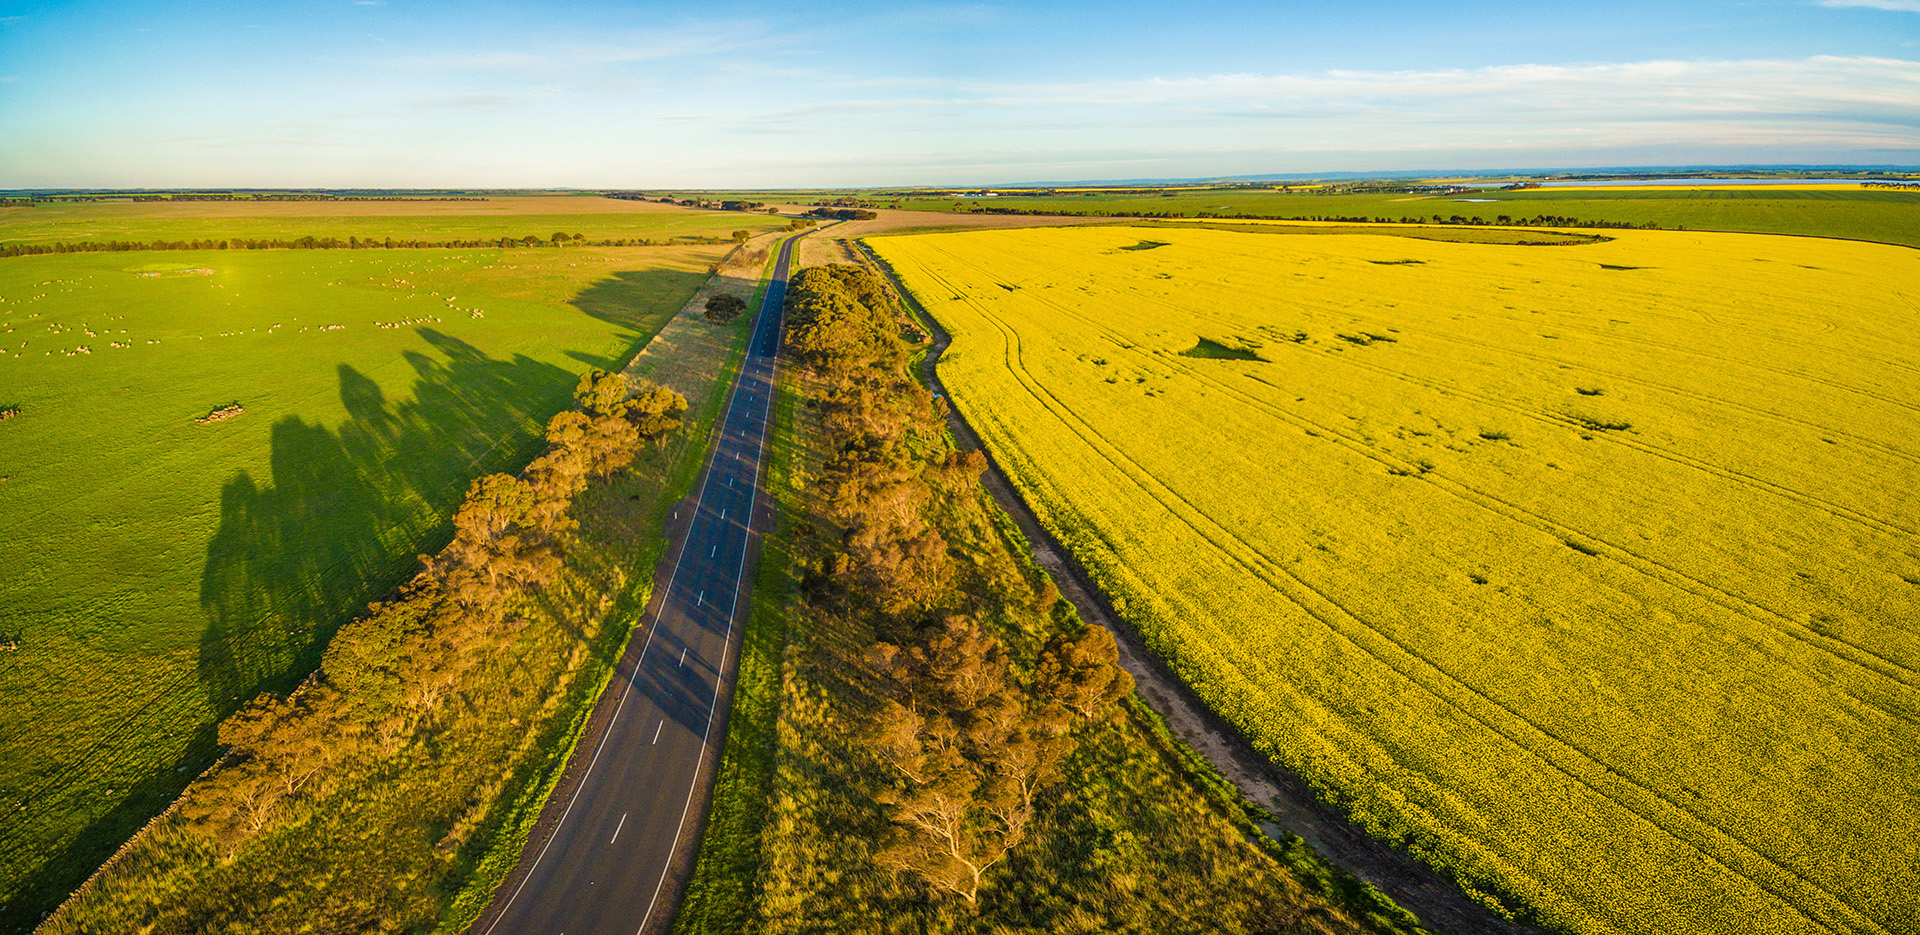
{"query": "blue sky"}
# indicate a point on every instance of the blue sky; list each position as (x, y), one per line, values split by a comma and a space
(591, 94)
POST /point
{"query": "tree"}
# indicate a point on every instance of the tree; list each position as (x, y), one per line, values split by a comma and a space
(742, 236)
(499, 547)
(655, 412)
(1082, 672)
(971, 750)
(608, 439)
(725, 307)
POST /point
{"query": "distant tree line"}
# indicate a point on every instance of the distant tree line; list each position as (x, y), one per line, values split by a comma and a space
(386, 674)
(971, 736)
(335, 243)
(729, 204)
(1540, 220)
(843, 214)
(1901, 185)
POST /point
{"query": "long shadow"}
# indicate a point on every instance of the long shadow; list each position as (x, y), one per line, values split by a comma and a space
(345, 512)
(641, 302)
(339, 520)
(46, 889)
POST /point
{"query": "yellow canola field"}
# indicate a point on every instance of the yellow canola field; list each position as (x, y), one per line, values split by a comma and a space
(1590, 573)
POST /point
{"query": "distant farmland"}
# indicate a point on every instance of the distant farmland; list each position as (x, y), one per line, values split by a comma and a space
(1588, 572)
(219, 456)
(1864, 214)
(517, 216)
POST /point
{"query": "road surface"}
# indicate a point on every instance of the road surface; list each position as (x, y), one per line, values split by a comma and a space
(605, 867)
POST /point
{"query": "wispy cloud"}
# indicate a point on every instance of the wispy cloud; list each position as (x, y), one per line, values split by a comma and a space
(1898, 6)
(476, 100)
(1525, 114)
(699, 40)
(1852, 100)
(947, 15)
(1651, 88)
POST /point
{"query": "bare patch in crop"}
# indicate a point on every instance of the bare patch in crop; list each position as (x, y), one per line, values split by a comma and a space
(1214, 350)
(1366, 338)
(1600, 425)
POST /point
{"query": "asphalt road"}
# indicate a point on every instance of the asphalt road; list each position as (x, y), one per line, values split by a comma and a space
(605, 866)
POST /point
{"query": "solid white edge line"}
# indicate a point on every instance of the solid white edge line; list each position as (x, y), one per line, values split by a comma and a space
(675, 576)
(773, 371)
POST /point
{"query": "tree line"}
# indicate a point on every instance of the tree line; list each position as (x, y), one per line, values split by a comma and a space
(335, 243)
(1538, 220)
(842, 214)
(728, 204)
(971, 729)
(386, 675)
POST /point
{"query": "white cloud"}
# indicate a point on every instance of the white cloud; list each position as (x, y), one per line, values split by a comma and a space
(1898, 6)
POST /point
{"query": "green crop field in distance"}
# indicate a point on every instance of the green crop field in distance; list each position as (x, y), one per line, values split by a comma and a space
(161, 571)
(1882, 215)
(508, 216)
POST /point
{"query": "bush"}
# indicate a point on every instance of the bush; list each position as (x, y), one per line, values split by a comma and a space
(725, 307)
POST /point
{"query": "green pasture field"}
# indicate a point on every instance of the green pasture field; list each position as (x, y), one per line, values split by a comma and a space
(159, 572)
(508, 216)
(1882, 215)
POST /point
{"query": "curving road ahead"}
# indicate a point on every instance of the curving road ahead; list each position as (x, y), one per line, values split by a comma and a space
(605, 866)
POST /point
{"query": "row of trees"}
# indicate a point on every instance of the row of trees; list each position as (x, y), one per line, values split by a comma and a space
(970, 734)
(335, 243)
(1539, 220)
(387, 674)
(729, 204)
(842, 214)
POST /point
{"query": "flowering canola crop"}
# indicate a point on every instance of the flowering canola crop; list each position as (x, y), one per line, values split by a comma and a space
(1589, 573)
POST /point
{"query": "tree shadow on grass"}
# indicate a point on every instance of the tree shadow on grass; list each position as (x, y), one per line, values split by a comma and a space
(340, 520)
(641, 301)
(346, 512)
(64, 868)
